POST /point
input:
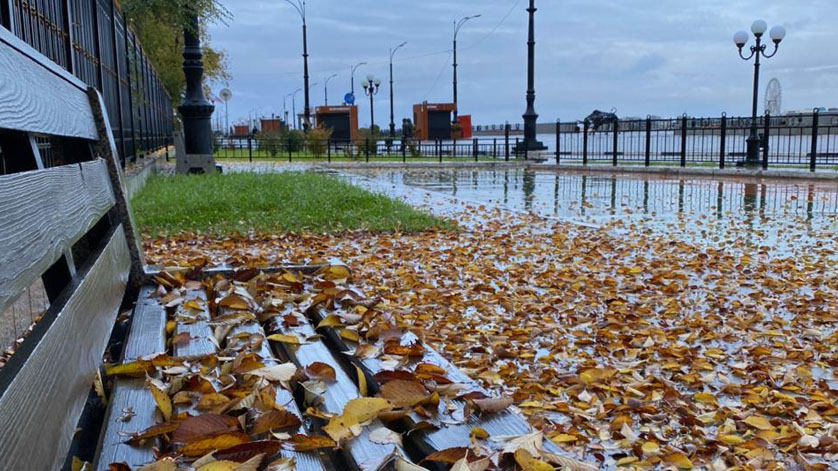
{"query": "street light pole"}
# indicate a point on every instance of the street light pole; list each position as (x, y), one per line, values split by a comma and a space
(326, 89)
(457, 26)
(777, 34)
(392, 118)
(352, 76)
(371, 86)
(300, 6)
(530, 116)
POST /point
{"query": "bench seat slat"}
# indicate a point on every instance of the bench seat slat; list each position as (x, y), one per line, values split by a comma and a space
(147, 337)
(42, 214)
(41, 406)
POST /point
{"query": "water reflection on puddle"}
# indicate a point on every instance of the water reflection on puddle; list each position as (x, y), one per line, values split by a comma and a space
(770, 212)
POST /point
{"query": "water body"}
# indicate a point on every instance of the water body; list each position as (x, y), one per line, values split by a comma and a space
(783, 215)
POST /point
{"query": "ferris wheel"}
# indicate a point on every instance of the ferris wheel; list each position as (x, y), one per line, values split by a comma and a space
(774, 97)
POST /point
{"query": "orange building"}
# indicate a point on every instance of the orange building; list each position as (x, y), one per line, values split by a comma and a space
(432, 121)
(272, 126)
(342, 120)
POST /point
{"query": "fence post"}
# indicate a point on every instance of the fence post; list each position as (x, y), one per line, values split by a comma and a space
(648, 156)
(367, 149)
(506, 141)
(585, 143)
(404, 151)
(723, 142)
(249, 148)
(329, 149)
(684, 140)
(558, 133)
(614, 143)
(495, 148)
(288, 144)
(439, 150)
(813, 159)
(766, 130)
(476, 150)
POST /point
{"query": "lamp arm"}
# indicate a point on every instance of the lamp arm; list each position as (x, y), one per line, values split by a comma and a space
(774, 53)
(753, 52)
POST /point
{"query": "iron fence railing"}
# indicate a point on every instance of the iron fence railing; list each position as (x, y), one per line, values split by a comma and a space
(809, 141)
(286, 148)
(91, 40)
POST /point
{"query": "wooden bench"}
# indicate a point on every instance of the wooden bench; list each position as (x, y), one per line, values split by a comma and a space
(71, 226)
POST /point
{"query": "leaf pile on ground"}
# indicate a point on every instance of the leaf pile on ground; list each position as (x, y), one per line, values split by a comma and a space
(232, 409)
(636, 349)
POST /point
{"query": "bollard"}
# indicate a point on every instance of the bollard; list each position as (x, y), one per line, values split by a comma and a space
(558, 132)
(249, 149)
(723, 142)
(367, 149)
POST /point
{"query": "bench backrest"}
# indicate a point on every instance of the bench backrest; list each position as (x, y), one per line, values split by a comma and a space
(64, 219)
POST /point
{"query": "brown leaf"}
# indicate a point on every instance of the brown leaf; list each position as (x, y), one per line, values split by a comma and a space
(153, 431)
(492, 405)
(193, 429)
(320, 371)
(448, 455)
(246, 451)
(275, 420)
(219, 442)
(402, 393)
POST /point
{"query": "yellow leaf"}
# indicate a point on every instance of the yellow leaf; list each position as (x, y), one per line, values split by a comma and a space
(283, 338)
(336, 272)
(356, 412)
(527, 463)
(223, 465)
(651, 448)
(759, 422)
(563, 438)
(163, 401)
(350, 335)
(330, 321)
(705, 398)
(731, 440)
(680, 460)
(202, 447)
(362, 382)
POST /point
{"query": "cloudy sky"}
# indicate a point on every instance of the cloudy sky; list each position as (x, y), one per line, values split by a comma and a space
(637, 56)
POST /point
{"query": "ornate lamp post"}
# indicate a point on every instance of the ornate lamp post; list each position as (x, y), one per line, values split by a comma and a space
(326, 89)
(196, 110)
(741, 39)
(300, 6)
(371, 85)
(457, 26)
(352, 77)
(392, 122)
(530, 143)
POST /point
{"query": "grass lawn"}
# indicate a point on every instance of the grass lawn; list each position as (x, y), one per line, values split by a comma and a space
(269, 203)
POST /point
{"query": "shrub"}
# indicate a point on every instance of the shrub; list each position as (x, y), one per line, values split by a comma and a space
(318, 140)
(293, 140)
(271, 142)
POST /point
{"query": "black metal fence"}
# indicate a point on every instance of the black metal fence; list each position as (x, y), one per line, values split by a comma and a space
(90, 39)
(260, 147)
(807, 140)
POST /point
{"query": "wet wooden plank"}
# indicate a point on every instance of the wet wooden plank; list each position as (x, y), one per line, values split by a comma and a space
(130, 395)
(41, 405)
(507, 422)
(305, 461)
(199, 332)
(42, 214)
(360, 451)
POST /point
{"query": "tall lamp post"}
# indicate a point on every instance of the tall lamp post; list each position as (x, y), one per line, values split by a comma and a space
(300, 6)
(777, 34)
(352, 77)
(457, 26)
(392, 118)
(530, 143)
(294, 105)
(371, 85)
(326, 89)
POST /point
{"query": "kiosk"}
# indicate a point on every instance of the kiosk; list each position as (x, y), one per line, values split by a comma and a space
(433, 121)
(341, 120)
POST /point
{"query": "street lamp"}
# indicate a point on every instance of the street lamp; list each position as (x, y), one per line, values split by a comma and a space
(371, 85)
(300, 6)
(294, 105)
(352, 76)
(392, 122)
(777, 34)
(326, 89)
(530, 143)
(457, 26)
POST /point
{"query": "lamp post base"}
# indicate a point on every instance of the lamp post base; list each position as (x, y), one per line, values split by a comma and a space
(752, 158)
